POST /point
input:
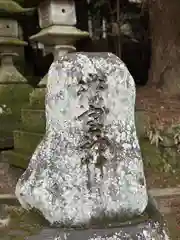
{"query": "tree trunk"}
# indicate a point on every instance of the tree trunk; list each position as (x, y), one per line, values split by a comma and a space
(165, 33)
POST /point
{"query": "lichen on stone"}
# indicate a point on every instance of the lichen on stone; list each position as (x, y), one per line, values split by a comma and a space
(88, 165)
(5, 110)
(7, 41)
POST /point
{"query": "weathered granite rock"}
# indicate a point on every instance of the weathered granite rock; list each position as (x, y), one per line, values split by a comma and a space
(87, 172)
(89, 163)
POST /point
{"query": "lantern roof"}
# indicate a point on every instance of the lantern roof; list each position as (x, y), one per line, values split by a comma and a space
(9, 8)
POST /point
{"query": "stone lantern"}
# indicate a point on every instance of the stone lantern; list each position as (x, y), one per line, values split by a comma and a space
(14, 88)
(57, 19)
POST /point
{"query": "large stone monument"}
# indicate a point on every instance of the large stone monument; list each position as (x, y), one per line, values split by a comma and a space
(87, 172)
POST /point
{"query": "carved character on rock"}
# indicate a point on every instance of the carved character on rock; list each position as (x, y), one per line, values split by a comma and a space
(88, 165)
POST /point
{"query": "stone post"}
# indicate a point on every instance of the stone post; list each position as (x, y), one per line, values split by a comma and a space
(57, 19)
(14, 88)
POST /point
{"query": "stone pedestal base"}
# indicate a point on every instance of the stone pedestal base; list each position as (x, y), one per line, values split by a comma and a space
(146, 230)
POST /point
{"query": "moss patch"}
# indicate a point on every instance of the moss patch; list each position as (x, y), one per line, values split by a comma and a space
(10, 6)
(7, 41)
(26, 142)
(37, 98)
(33, 120)
(163, 158)
(12, 98)
(16, 159)
(151, 155)
(141, 121)
(22, 224)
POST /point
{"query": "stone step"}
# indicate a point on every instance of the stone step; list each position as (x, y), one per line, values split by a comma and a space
(26, 142)
(9, 199)
(33, 120)
(6, 140)
(15, 158)
(165, 192)
(167, 199)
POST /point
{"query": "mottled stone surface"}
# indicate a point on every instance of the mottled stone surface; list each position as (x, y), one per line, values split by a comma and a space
(89, 165)
(143, 231)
